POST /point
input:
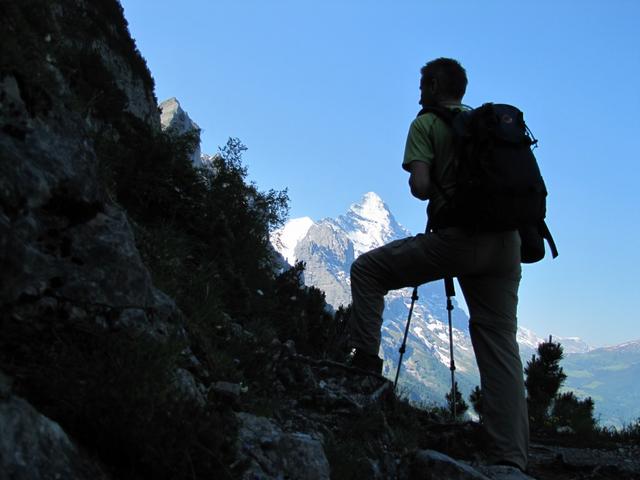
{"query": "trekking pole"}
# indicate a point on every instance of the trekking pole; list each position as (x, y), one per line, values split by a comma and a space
(451, 292)
(414, 297)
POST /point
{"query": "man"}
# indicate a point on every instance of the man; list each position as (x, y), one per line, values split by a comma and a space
(487, 265)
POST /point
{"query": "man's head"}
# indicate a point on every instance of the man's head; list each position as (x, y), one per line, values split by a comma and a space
(443, 80)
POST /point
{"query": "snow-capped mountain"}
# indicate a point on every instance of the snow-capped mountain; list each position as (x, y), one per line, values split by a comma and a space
(329, 246)
(529, 341)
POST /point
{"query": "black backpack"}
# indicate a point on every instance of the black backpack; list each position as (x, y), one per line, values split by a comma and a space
(498, 182)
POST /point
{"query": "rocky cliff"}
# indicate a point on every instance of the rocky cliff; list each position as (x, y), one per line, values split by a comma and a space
(79, 309)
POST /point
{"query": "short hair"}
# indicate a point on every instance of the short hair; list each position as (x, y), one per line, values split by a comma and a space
(451, 76)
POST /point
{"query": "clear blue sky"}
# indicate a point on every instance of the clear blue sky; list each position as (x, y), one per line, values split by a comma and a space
(322, 93)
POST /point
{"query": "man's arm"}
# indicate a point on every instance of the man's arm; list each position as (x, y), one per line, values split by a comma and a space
(420, 180)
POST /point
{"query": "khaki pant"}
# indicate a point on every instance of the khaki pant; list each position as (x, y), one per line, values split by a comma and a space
(487, 266)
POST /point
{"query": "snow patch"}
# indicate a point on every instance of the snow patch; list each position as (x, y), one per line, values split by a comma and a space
(526, 337)
(285, 239)
(418, 332)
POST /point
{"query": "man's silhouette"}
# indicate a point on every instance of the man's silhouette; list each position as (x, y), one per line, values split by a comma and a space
(487, 265)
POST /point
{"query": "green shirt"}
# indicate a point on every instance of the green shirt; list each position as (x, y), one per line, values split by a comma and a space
(430, 140)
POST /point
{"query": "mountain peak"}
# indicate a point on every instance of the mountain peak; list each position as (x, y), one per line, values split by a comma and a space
(367, 224)
(370, 224)
(372, 198)
(371, 207)
(174, 119)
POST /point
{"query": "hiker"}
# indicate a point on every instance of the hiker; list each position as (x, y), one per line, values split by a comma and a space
(486, 263)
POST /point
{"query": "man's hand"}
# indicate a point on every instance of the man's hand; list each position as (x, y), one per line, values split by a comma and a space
(420, 180)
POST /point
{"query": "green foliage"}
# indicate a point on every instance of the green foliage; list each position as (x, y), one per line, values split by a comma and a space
(544, 377)
(202, 231)
(475, 398)
(455, 399)
(150, 173)
(237, 218)
(299, 313)
(204, 235)
(568, 410)
(629, 433)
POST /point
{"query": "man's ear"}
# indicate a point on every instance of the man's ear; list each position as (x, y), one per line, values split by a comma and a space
(433, 86)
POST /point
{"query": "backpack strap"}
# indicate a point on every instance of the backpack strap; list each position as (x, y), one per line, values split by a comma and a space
(445, 114)
(546, 234)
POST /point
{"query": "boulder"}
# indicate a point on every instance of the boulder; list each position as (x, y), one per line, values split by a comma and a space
(33, 447)
(433, 465)
(269, 453)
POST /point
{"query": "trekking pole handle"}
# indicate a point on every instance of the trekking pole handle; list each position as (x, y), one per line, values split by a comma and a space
(449, 288)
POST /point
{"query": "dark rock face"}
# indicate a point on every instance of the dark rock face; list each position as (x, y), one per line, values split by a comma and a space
(71, 84)
(63, 241)
(328, 255)
(269, 451)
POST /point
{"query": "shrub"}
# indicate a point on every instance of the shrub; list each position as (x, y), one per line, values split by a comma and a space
(570, 411)
(199, 230)
(629, 433)
(299, 313)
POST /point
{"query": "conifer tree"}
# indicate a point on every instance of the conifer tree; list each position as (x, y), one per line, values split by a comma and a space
(460, 404)
(544, 377)
(475, 398)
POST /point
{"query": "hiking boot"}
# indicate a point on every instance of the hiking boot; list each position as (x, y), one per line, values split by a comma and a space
(368, 362)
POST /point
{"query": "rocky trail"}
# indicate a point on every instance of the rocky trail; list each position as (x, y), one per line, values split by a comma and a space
(369, 433)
